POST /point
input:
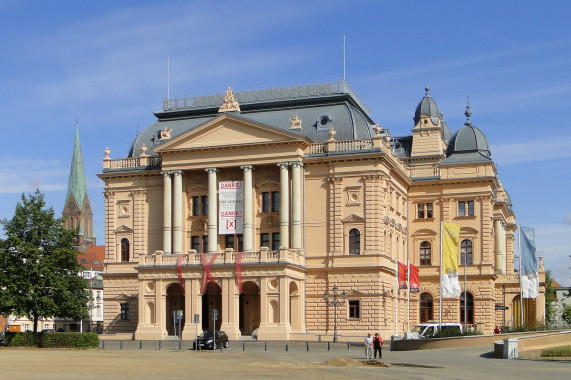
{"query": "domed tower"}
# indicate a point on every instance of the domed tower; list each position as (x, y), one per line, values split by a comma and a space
(429, 133)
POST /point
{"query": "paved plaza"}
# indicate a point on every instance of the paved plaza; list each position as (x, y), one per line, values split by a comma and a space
(275, 363)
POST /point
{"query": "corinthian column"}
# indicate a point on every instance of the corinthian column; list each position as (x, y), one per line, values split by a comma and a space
(212, 210)
(284, 205)
(296, 205)
(177, 217)
(248, 220)
(167, 212)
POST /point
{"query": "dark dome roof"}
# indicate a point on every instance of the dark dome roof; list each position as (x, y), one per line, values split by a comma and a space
(468, 139)
(427, 106)
(446, 133)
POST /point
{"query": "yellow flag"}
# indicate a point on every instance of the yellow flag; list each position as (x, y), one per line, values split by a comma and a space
(450, 247)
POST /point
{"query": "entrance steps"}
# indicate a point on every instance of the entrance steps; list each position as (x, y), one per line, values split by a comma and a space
(246, 338)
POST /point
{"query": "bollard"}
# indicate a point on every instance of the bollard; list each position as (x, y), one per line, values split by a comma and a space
(307, 345)
(287, 348)
(103, 344)
(265, 346)
(160, 344)
(221, 346)
(120, 344)
(243, 346)
(328, 346)
(348, 346)
(140, 345)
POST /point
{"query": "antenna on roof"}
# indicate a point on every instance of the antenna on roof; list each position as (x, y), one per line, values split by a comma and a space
(168, 77)
(343, 58)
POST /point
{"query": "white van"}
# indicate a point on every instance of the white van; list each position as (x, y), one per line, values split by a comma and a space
(429, 329)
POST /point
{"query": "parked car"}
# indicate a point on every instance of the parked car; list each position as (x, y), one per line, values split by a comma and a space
(429, 329)
(206, 340)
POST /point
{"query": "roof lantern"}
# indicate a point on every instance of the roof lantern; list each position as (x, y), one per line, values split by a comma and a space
(427, 106)
(469, 140)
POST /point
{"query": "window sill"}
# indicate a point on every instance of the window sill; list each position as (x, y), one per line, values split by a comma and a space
(468, 217)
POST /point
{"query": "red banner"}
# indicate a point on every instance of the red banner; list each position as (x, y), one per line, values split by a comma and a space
(402, 275)
(179, 271)
(207, 274)
(414, 281)
(239, 271)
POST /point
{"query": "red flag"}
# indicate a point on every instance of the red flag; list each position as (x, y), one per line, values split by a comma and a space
(239, 271)
(402, 275)
(414, 281)
(207, 274)
(179, 271)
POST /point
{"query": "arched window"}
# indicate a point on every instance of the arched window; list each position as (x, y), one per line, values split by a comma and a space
(466, 252)
(426, 313)
(469, 308)
(125, 249)
(425, 253)
(354, 242)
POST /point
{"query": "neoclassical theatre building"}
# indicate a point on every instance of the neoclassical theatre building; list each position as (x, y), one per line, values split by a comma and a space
(243, 209)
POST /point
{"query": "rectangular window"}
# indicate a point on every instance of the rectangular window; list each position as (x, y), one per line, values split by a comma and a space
(420, 210)
(205, 205)
(275, 241)
(265, 201)
(429, 210)
(354, 309)
(229, 239)
(124, 311)
(424, 211)
(461, 208)
(265, 240)
(275, 201)
(195, 243)
(204, 243)
(470, 208)
(240, 242)
(195, 205)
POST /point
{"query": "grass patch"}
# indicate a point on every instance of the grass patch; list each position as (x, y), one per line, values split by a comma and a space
(557, 352)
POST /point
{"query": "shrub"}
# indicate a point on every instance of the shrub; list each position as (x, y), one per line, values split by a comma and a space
(69, 340)
(25, 339)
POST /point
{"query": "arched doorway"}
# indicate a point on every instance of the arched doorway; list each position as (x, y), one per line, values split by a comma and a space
(212, 300)
(250, 311)
(528, 311)
(426, 307)
(175, 301)
(469, 310)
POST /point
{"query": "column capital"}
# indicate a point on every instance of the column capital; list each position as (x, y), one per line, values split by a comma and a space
(296, 164)
(177, 172)
(166, 173)
(283, 165)
(211, 170)
(247, 168)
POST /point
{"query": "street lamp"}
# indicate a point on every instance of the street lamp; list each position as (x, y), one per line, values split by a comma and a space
(93, 305)
(335, 303)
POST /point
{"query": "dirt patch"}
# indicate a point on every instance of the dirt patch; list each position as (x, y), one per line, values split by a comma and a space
(342, 362)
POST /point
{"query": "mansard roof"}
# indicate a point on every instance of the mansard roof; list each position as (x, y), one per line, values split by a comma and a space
(319, 107)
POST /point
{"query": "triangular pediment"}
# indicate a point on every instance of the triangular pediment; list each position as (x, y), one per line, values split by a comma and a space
(353, 219)
(125, 297)
(123, 229)
(229, 130)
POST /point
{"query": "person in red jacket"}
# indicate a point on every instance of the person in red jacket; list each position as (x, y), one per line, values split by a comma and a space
(377, 343)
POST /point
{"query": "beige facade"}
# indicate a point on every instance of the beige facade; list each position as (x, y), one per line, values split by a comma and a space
(319, 210)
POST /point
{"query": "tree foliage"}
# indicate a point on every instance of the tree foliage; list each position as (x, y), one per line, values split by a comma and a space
(38, 265)
(549, 296)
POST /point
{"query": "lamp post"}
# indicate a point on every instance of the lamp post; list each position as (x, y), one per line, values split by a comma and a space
(335, 303)
(92, 305)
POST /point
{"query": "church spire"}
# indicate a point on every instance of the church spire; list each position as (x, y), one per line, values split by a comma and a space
(76, 185)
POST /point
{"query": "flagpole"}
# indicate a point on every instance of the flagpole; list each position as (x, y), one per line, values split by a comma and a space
(396, 295)
(440, 303)
(520, 274)
(408, 276)
(465, 301)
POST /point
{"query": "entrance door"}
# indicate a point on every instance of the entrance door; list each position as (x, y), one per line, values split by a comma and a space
(250, 311)
(211, 300)
(175, 301)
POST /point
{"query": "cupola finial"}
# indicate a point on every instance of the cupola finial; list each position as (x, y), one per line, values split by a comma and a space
(427, 89)
(468, 112)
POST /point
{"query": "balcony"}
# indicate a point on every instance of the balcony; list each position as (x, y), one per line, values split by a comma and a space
(228, 257)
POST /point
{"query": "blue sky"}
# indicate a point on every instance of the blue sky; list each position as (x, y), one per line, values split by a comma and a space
(105, 63)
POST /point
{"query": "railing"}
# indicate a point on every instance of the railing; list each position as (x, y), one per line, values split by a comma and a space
(353, 145)
(266, 95)
(430, 172)
(133, 162)
(125, 163)
(230, 257)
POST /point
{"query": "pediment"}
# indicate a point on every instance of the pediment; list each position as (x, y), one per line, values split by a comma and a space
(230, 130)
(353, 219)
(125, 297)
(123, 229)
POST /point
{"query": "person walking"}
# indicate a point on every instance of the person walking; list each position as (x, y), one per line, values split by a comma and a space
(377, 344)
(369, 346)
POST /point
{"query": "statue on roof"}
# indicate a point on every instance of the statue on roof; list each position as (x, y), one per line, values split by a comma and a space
(230, 104)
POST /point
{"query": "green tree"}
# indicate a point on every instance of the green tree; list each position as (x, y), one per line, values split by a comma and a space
(549, 296)
(38, 265)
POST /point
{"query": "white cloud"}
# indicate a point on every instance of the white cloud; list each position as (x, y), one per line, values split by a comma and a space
(568, 219)
(25, 175)
(533, 150)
